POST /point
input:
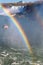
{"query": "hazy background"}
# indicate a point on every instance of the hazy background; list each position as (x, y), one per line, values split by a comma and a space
(3, 1)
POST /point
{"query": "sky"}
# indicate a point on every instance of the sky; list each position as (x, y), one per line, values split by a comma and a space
(6, 1)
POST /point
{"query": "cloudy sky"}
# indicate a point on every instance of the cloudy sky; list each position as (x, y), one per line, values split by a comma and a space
(1, 1)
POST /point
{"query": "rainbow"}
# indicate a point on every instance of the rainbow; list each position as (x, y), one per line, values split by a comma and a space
(19, 28)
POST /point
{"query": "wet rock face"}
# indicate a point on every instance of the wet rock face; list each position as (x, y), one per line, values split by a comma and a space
(28, 8)
(33, 7)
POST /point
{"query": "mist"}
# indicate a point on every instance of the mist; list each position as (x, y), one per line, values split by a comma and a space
(10, 37)
(32, 23)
